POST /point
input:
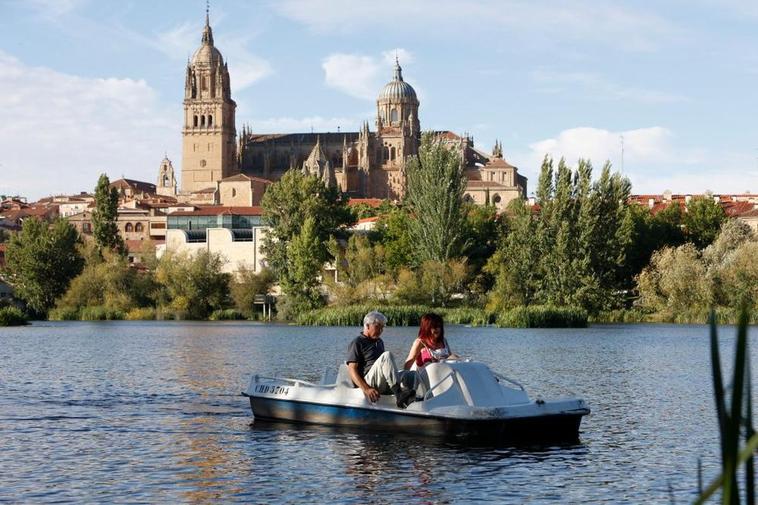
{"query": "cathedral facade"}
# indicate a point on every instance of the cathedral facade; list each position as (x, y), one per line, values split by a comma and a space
(364, 164)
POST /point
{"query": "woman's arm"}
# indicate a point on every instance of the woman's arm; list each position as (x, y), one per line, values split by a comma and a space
(415, 349)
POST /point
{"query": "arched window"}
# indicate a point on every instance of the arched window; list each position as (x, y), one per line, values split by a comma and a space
(468, 198)
(234, 192)
(138, 227)
(386, 153)
(210, 120)
(195, 122)
(496, 199)
(128, 228)
(393, 116)
(203, 83)
(392, 154)
(202, 120)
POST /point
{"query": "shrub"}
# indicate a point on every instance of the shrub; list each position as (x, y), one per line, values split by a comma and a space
(100, 313)
(226, 315)
(64, 314)
(467, 315)
(538, 316)
(352, 315)
(141, 314)
(12, 316)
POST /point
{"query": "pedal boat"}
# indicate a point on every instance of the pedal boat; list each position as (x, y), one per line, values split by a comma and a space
(460, 399)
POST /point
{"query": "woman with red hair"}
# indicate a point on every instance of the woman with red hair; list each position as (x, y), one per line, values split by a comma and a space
(430, 346)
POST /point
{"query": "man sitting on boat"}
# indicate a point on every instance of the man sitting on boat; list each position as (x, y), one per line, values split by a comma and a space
(373, 369)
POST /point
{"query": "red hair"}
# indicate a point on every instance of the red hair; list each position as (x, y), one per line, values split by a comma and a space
(429, 321)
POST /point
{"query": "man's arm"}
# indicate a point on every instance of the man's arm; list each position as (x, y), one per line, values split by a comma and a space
(371, 393)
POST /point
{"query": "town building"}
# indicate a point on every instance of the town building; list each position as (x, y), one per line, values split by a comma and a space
(742, 206)
(364, 163)
(234, 233)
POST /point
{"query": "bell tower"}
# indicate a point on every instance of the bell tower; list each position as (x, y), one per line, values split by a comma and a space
(208, 135)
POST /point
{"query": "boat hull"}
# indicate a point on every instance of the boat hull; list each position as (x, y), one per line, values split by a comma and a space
(562, 426)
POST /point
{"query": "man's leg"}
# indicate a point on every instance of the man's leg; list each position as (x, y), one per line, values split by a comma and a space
(383, 376)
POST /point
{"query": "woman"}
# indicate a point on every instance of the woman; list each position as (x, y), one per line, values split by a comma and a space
(430, 346)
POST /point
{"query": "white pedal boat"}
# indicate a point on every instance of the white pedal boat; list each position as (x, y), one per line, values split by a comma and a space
(462, 399)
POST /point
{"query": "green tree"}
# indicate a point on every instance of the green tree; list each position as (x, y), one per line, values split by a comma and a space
(392, 231)
(515, 264)
(193, 286)
(703, 220)
(246, 285)
(436, 181)
(41, 261)
(108, 282)
(676, 284)
(104, 227)
(287, 205)
(302, 284)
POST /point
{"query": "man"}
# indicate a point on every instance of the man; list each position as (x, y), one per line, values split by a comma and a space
(374, 370)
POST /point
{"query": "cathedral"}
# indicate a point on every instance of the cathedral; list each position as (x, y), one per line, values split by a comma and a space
(364, 164)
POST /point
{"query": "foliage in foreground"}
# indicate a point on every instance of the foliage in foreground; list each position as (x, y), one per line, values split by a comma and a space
(12, 316)
(735, 420)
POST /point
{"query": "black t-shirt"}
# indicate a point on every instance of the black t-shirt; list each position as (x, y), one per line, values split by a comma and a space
(364, 351)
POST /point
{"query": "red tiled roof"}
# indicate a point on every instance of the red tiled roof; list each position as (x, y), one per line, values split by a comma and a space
(498, 163)
(741, 209)
(371, 202)
(368, 219)
(219, 210)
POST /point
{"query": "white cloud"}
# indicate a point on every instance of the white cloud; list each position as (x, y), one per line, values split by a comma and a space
(352, 74)
(599, 88)
(61, 131)
(576, 19)
(643, 146)
(654, 160)
(362, 76)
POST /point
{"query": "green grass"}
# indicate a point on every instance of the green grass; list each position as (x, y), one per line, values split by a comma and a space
(12, 316)
(410, 315)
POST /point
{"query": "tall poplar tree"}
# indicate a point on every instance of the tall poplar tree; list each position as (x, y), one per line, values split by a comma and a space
(435, 185)
(105, 229)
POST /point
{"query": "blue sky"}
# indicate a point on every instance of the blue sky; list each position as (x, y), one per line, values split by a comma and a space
(92, 86)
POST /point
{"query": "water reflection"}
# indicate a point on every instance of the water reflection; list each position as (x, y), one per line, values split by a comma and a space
(150, 412)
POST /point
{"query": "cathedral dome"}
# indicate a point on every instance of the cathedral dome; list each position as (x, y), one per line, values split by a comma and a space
(397, 89)
(207, 54)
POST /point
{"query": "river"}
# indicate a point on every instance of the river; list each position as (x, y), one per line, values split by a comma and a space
(150, 412)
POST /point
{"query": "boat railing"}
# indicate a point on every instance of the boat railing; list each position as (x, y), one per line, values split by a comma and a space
(507, 379)
(293, 382)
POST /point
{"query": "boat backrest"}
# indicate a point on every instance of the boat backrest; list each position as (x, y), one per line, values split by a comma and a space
(329, 376)
(343, 377)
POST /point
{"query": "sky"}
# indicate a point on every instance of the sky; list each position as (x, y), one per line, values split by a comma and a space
(96, 86)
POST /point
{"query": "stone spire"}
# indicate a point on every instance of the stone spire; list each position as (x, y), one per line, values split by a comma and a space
(398, 70)
(207, 31)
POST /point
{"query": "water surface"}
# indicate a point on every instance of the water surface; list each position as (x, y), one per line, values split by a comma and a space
(150, 412)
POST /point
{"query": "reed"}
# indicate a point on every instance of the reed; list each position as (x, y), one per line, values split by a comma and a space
(226, 315)
(735, 419)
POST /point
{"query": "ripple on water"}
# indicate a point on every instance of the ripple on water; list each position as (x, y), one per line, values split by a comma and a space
(150, 412)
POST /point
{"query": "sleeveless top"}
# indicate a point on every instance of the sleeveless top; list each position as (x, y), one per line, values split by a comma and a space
(429, 355)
